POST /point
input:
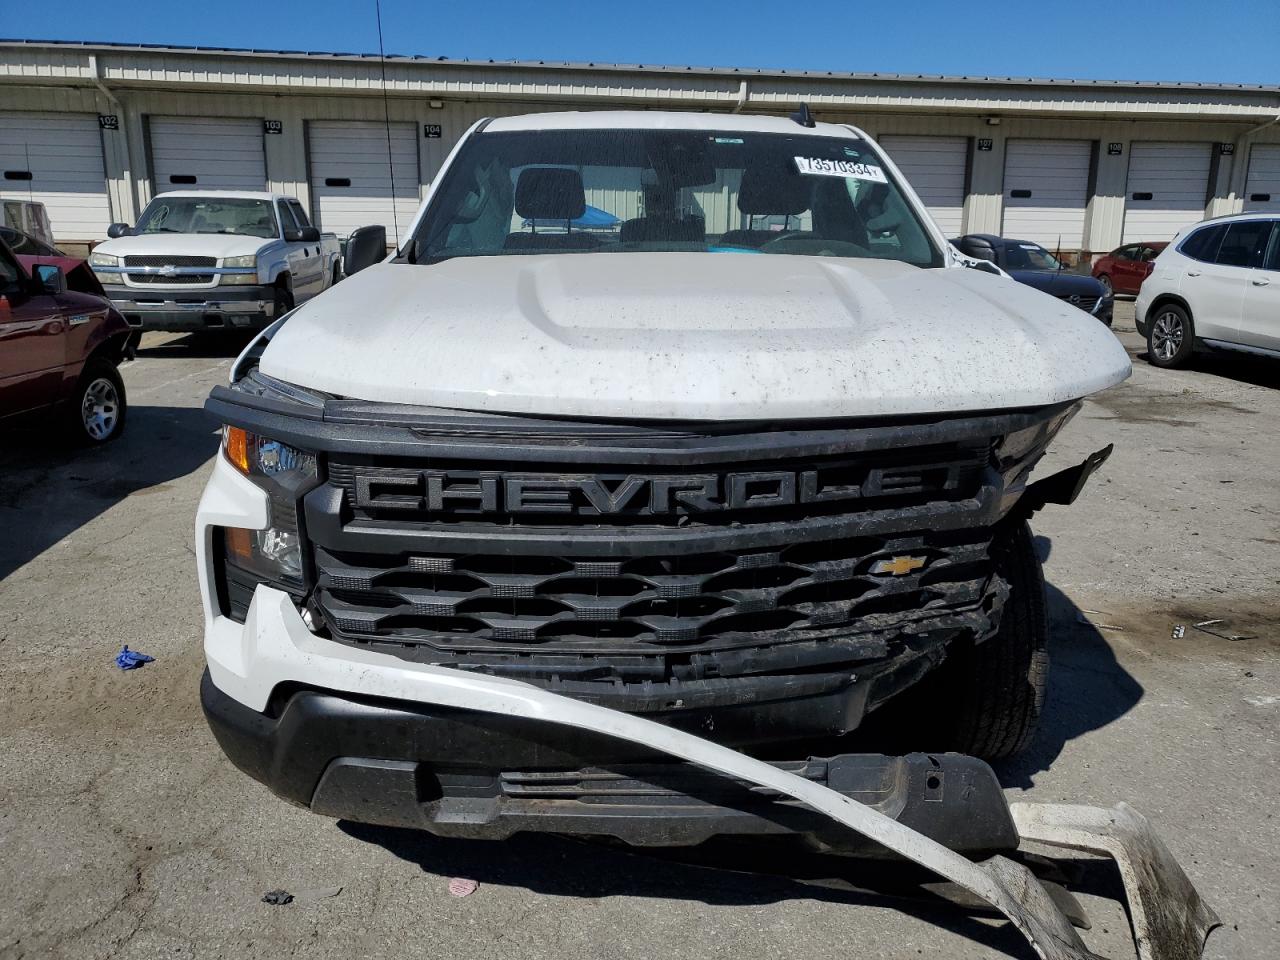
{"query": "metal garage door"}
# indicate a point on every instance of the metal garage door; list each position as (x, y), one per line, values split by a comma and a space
(1168, 189)
(207, 153)
(1046, 188)
(936, 167)
(1262, 189)
(351, 180)
(56, 159)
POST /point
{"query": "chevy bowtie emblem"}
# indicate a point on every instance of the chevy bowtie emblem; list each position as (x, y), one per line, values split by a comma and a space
(897, 566)
(168, 270)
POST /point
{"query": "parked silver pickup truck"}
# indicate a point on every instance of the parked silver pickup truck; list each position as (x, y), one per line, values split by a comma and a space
(215, 260)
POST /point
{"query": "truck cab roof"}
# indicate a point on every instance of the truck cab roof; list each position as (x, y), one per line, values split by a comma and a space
(226, 194)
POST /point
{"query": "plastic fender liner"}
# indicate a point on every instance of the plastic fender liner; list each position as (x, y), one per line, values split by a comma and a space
(1008, 886)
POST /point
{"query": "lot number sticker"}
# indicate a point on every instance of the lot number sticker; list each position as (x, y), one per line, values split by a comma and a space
(847, 169)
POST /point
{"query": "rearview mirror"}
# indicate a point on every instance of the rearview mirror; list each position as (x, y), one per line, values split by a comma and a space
(365, 247)
(51, 279)
(119, 230)
(303, 235)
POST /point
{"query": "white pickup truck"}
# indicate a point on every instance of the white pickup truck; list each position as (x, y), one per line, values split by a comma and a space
(753, 462)
(215, 260)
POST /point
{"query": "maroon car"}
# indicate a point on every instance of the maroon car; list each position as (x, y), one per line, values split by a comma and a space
(1124, 268)
(59, 350)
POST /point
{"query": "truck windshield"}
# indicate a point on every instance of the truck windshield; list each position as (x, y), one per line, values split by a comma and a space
(587, 191)
(250, 218)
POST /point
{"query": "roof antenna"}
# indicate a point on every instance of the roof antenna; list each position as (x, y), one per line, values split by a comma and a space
(386, 115)
(803, 117)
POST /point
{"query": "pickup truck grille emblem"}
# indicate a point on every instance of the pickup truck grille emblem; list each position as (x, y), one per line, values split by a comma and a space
(444, 493)
(898, 566)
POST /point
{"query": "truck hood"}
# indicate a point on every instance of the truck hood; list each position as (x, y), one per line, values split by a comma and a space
(218, 245)
(693, 336)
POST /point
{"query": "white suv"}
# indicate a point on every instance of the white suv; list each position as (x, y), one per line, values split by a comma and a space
(1218, 286)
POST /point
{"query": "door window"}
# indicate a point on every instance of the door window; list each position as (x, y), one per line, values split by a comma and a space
(299, 214)
(1272, 260)
(10, 275)
(1244, 244)
(1203, 244)
(1125, 253)
(286, 218)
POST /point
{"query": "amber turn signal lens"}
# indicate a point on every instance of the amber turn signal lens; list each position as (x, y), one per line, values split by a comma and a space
(236, 445)
(239, 545)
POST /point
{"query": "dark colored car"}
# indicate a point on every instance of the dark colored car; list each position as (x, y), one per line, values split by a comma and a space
(1124, 268)
(59, 351)
(1035, 266)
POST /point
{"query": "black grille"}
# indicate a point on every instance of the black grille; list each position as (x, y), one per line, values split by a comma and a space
(813, 594)
(175, 278)
(165, 260)
(714, 494)
(1086, 304)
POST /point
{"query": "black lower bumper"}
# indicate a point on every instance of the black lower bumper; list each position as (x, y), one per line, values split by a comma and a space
(468, 774)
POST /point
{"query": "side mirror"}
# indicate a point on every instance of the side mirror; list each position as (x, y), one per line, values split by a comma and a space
(365, 247)
(119, 230)
(303, 235)
(51, 279)
(986, 266)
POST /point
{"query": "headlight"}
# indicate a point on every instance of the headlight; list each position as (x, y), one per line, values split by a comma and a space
(239, 279)
(103, 260)
(285, 473)
(249, 261)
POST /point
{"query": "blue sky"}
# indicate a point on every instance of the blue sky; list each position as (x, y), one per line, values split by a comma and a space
(1234, 41)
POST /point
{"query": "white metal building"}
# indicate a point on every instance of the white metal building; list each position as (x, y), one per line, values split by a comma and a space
(94, 130)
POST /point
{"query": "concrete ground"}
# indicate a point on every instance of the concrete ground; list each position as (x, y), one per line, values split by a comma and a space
(124, 832)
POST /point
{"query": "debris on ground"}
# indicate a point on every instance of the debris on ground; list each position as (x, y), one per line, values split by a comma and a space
(128, 659)
(1083, 617)
(462, 887)
(1179, 631)
(1222, 628)
(277, 898)
(316, 893)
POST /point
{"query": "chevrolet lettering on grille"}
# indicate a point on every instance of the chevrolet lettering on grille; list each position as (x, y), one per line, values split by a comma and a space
(444, 492)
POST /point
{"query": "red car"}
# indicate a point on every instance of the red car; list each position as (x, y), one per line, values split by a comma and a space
(1124, 268)
(59, 350)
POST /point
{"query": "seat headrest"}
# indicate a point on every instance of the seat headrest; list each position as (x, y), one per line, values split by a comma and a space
(550, 193)
(773, 191)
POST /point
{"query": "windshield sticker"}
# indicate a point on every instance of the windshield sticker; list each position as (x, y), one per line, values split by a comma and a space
(1029, 246)
(840, 168)
(728, 140)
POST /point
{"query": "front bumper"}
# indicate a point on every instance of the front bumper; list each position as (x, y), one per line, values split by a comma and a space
(233, 308)
(461, 773)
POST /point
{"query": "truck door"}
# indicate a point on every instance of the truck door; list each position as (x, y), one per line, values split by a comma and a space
(323, 275)
(305, 261)
(32, 342)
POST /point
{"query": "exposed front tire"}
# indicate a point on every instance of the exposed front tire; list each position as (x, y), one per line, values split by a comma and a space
(1170, 336)
(985, 699)
(96, 413)
(283, 301)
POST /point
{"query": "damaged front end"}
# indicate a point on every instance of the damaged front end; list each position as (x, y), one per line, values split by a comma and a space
(1170, 920)
(650, 632)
